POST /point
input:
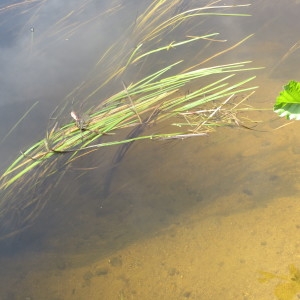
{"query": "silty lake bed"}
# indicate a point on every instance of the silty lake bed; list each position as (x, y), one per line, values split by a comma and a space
(203, 218)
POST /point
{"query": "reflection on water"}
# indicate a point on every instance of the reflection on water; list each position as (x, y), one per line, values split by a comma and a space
(198, 219)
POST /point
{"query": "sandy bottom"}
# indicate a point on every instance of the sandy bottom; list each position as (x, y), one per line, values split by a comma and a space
(204, 224)
(204, 255)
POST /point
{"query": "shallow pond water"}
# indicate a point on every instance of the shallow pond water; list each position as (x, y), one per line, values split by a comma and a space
(203, 218)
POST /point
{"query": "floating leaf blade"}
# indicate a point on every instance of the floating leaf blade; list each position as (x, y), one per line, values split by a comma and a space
(288, 102)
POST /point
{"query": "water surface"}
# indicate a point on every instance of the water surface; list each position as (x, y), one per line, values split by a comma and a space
(193, 219)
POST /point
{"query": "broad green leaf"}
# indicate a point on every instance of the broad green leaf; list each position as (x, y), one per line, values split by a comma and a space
(288, 102)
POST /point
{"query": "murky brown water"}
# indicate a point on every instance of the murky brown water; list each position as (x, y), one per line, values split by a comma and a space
(193, 219)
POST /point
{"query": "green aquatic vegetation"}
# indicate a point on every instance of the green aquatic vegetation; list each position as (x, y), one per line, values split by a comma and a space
(288, 102)
(188, 97)
(288, 286)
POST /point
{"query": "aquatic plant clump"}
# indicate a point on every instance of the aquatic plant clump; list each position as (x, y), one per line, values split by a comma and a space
(138, 107)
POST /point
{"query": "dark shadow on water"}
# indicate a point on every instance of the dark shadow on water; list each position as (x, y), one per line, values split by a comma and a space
(149, 194)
